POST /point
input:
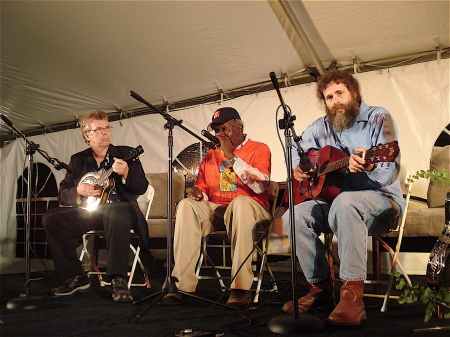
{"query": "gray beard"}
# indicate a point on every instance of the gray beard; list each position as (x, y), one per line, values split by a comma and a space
(343, 121)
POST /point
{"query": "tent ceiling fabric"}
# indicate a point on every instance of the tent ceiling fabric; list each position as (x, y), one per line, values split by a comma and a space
(60, 59)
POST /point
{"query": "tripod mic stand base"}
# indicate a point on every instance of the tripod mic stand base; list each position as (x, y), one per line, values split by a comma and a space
(22, 302)
(288, 324)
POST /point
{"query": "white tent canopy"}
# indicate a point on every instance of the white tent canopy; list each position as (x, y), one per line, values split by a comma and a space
(62, 58)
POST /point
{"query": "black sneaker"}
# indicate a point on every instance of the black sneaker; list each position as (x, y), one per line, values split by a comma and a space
(72, 285)
(121, 292)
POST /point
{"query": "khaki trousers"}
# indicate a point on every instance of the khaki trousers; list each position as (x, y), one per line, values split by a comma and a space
(196, 219)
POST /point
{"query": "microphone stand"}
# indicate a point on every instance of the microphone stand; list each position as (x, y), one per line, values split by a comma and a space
(25, 301)
(169, 284)
(287, 324)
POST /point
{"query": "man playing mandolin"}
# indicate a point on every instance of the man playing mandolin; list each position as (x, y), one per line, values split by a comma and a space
(370, 199)
(100, 199)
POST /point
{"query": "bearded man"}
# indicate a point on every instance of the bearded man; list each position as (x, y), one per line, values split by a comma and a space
(370, 200)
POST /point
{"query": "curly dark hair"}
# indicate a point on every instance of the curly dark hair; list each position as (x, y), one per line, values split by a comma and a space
(338, 76)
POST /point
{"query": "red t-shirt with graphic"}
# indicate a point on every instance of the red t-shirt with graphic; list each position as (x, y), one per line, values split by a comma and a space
(217, 179)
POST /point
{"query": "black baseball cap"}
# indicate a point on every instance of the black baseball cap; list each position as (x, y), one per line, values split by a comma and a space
(222, 116)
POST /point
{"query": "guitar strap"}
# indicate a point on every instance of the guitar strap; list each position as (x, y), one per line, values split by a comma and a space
(106, 162)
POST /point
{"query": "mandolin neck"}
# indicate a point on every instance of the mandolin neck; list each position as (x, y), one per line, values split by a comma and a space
(104, 176)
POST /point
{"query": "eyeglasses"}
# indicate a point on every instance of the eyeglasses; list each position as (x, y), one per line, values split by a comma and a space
(101, 130)
(223, 128)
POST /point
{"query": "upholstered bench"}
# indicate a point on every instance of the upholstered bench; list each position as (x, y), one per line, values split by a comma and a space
(425, 219)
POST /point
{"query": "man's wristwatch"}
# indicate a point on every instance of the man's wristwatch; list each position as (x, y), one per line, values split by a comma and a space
(232, 160)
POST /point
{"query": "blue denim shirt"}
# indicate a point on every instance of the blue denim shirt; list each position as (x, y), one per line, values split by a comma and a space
(373, 126)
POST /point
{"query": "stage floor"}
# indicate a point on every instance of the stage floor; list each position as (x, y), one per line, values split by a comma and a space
(92, 313)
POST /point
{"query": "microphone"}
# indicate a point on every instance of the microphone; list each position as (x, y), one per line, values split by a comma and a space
(276, 85)
(6, 120)
(211, 138)
(305, 163)
(274, 79)
(64, 166)
(137, 97)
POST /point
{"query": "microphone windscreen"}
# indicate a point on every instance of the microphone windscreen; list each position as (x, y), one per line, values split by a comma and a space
(274, 79)
(210, 137)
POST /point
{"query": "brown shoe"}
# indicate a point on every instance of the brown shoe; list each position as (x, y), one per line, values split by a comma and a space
(350, 309)
(175, 298)
(239, 299)
(320, 295)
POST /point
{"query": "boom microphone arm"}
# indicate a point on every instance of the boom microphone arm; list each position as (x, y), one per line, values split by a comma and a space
(170, 119)
(58, 164)
(287, 123)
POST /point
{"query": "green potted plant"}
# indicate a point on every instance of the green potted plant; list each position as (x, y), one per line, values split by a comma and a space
(432, 298)
(441, 175)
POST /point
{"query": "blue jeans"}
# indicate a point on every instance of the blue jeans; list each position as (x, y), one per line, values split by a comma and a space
(352, 216)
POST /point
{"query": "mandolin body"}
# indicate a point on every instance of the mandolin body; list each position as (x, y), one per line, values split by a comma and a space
(95, 178)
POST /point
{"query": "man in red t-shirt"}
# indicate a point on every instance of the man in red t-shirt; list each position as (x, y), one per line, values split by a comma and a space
(230, 192)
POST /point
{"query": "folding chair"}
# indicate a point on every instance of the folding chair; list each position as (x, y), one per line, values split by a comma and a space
(376, 255)
(261, 244)
(100, 234)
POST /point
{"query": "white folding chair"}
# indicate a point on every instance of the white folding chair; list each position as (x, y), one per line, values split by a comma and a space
(147, 197)
(395, 263)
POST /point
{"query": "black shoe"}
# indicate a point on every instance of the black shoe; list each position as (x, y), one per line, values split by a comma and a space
(121, 292)
(239, 299)
(71, 285)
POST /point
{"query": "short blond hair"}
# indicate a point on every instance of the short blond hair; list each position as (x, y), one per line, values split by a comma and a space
(85, 121)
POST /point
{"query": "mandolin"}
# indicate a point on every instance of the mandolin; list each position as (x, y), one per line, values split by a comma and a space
(102, 180)
(329, 167)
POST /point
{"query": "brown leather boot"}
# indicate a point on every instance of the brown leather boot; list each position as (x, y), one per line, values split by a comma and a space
(320, 295)
(350, 309)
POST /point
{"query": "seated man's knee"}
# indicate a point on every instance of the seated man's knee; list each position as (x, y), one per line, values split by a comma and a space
(186, 202)
(343, 198)
(49, 219)
(240, 198)
(344, 201)
(186, 205)
(239, 201)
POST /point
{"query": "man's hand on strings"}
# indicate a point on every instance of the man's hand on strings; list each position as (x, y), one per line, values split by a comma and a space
(120, 167)
(357, 163)
(89, 190)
